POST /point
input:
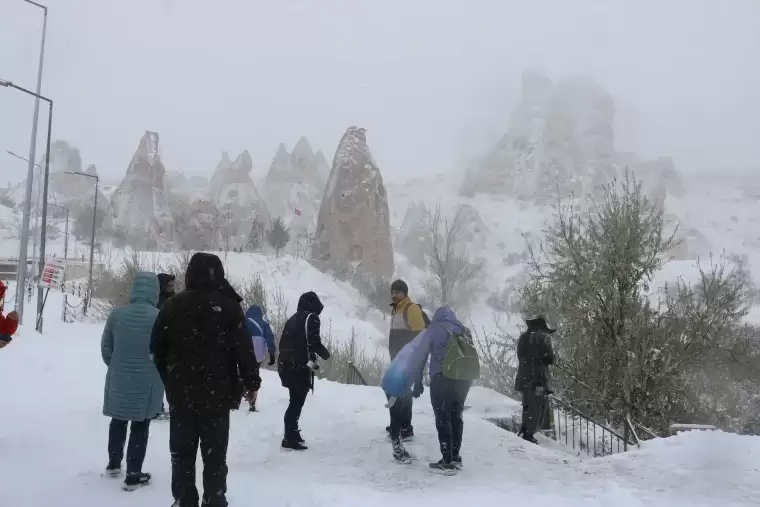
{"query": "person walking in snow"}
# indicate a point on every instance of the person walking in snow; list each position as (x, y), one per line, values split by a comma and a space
(8, 323)
(407, 321)
(300, 344)
(133, 391)
(453, 367)
(263, 339)
(534, 355)
(202, 349)
(167, 290)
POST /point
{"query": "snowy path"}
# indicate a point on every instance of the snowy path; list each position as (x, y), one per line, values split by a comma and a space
(53, 439)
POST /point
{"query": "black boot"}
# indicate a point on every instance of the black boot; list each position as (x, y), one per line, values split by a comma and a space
(294, 442)
(113, 469)
(528, 437)
(400, 453)
(135, 481)
(407, 433)
(443, 465)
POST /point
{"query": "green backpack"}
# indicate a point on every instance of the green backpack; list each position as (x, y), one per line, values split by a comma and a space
(461, 361)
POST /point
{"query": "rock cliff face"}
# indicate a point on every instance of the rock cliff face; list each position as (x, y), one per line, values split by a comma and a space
(413, 238)
(323, 168)
(353, 227)
(220, 175)
(139, 207)
(561, 141)
(294, 187)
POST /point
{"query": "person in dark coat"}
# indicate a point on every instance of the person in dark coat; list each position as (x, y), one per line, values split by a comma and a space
(202, 351)
(534, 354)
(167, 290)
(166, 281)
(300, 344)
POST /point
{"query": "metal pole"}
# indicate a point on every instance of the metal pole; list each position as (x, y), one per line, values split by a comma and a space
(21, 275)
(37, 205)
(92, 244)
(43, 225)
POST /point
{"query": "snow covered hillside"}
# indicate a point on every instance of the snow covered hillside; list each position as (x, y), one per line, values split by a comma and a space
(53, 448)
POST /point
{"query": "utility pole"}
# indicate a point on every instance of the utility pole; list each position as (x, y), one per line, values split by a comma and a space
(21, 274)
(92, 239)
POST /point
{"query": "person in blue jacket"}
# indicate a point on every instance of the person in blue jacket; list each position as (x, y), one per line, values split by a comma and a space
(262, 334)
(133, 391)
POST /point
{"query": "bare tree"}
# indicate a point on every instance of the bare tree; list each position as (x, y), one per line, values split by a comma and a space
(455, 275)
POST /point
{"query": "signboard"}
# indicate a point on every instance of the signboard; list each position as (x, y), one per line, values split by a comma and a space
(52, 274)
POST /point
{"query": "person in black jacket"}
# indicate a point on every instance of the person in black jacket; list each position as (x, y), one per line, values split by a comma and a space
(300, 344)
(202, 349)
(167, 289)
(534, 354)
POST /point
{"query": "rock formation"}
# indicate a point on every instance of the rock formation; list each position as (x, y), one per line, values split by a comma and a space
(294, 187)
(139, 207)
(561, 142)
(353, 227)
(413, 237)
(220, 175)
(323, 168)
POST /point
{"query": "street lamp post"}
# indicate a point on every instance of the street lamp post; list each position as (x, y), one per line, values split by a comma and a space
(65, 257)
(92, 239)
(21, 274)
(43, 226)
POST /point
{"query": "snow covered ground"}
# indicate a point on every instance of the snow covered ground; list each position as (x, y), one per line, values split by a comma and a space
(53, 448)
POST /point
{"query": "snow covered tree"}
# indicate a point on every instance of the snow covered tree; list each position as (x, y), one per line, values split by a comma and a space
(278, 235)
(623, 354)
(455, 275)
(256, 236)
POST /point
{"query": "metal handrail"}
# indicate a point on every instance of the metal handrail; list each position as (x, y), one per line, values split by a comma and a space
(589, 421)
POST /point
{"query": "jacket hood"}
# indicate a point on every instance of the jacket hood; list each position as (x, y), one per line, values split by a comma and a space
(539, 324)
(446, 316)
(145, 289)
(309, 302)
(205, 272)
(254, 312)
(164, 279)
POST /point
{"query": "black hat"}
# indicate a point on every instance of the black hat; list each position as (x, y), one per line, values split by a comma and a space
(401, 286)
(538, 323)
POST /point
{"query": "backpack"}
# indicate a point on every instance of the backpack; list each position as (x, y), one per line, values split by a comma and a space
(425, 317)
(461, 361)
(259, 343)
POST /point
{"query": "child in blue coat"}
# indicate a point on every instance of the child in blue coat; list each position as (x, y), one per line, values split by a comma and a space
(263, 339)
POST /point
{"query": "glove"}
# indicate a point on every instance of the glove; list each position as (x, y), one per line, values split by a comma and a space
(418, 390)
(271, 360)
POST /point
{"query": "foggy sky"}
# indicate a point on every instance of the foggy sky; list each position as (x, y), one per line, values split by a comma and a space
(433, 81)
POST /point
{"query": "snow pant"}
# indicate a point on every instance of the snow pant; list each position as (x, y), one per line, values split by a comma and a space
(401, 416)
(138, 443)
(447, 397)
(298, 382)
(534, 411)
(186, 430)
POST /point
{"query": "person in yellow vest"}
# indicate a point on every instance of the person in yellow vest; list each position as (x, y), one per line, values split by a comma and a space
(407, 321)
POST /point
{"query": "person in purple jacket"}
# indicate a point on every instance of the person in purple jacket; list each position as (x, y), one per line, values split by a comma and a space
(447, 395)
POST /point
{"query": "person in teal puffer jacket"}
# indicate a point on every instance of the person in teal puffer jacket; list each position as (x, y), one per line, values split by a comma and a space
(133, 390)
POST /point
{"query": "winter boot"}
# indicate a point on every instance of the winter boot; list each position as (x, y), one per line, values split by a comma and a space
(407, 433)
(135, 481)
(293, 444)
(528, 437)
(252, 407)
(297, 437)
(447, 466)
(400, 453)
(457, 460)
(113, 469)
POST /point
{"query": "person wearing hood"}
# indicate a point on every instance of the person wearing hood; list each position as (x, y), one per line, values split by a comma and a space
(263, 340)
(167, 290)
(202, 350)
(300, 344)
(534, 355)
(166, 281)
(447, 395)
(8, 323)
(133, 391)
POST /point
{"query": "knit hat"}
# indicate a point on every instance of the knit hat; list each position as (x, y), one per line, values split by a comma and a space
(401, 286)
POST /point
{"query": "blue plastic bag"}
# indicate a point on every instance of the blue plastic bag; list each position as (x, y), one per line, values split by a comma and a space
(406, 369)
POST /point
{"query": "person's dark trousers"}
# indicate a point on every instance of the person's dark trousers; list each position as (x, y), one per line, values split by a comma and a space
(298, 395)
(401, 414)
(447, 397)
(186, 431)
(138, 443)
(533, 411)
